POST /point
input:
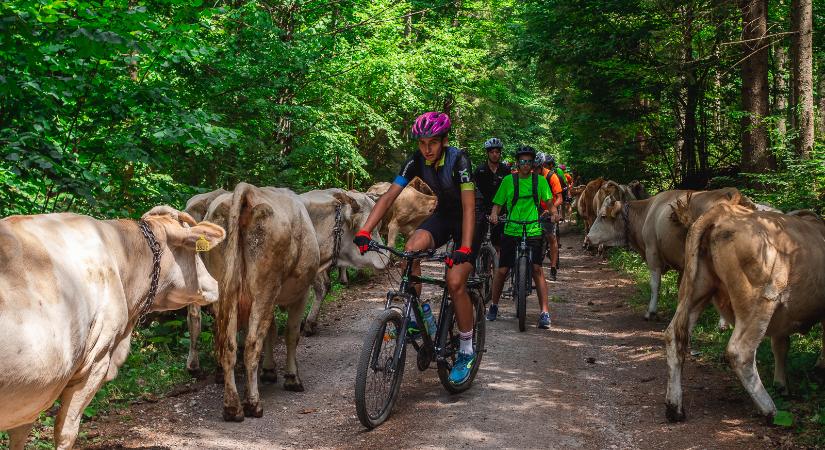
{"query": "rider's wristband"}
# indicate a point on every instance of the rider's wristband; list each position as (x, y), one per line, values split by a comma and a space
(465, 250)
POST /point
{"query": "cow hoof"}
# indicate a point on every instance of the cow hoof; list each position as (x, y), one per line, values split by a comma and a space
(673, 413)
(232, 414)
(269, 376)
(310, 328)
(255, 410)
(292, 383)
(651, 316)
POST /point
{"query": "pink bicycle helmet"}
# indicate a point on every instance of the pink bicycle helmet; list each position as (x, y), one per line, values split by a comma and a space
(563, 167)
(431, 124)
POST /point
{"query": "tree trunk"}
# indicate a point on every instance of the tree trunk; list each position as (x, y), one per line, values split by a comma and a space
(802, 23)
(821, 123)
(755, 156)
(780, 105)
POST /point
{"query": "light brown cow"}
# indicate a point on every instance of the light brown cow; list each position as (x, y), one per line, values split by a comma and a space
(584, 205)
(72, 289)
(270, 258)
(346, 211)
(765, 271)
(650, 228)
(412, 207)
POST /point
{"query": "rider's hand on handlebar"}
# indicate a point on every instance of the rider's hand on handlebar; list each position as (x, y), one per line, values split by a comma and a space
(459, 256)
(493, 219)
(363, 239)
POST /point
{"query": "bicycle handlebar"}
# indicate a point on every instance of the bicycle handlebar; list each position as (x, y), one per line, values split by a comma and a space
(429, 255)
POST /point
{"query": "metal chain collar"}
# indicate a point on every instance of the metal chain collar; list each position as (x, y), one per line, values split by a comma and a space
(156, 253)
(337, 234)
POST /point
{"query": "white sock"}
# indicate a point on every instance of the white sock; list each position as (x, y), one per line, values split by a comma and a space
(466, 339)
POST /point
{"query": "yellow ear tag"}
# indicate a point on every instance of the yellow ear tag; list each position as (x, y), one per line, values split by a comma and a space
(202, 245)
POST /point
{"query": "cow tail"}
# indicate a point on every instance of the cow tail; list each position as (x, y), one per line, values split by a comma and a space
(233, 271)
(695, 248)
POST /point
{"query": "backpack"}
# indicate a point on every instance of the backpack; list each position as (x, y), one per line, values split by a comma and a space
(535, 191)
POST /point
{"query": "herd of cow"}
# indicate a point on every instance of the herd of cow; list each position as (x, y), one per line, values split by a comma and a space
(761, 269)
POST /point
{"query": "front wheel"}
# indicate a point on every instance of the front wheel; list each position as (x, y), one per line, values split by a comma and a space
(448, 339)
(522, 289)
(378, 378)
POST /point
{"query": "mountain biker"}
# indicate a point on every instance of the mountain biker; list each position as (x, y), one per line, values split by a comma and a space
(487, 179)
(558, 188)
(534, 194)
(447, 170)
(567, 208)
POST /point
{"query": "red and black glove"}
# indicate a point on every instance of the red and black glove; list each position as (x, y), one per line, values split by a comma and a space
(362, 240)
(460, 256)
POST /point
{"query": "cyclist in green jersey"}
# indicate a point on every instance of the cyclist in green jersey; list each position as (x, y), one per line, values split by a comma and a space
(532, 200)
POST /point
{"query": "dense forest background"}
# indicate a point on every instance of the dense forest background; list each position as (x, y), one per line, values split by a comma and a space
(108, 108)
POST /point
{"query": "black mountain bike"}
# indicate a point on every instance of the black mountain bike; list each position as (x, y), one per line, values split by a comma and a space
(522, 272)
(486, 264)
(383, 356)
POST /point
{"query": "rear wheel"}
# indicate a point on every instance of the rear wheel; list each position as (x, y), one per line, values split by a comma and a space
(448, 339)
(378, 377)
(484, 270)
(522, 289)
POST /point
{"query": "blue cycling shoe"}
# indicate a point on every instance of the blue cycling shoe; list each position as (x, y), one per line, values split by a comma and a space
(544, 320)
(492, 313)
(462, 368)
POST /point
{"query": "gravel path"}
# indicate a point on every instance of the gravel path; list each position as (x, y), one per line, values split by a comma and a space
(596, 380)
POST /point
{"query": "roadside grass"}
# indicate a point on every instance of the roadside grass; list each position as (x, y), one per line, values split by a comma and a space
(156, 365)
(802, 410)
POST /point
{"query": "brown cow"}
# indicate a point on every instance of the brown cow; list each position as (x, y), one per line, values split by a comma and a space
(584, 205)
(412, 207)
(270, 259)
(765, 271)
(650, 228)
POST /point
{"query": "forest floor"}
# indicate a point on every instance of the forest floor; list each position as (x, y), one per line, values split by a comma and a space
(595, 380)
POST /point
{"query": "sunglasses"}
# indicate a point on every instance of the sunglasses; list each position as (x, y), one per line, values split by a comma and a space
(524, 162)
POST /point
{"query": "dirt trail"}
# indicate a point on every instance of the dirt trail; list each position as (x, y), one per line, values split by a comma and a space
(596, 380)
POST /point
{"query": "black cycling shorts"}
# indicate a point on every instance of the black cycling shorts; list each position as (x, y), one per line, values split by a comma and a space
(443, 229)
(509, 249)
(549, 227)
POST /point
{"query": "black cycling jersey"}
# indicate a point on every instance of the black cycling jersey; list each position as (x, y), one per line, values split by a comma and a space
(447, 178)
(487, 182)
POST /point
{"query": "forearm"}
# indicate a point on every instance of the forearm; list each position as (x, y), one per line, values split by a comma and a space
(468, 223)
(496, 210)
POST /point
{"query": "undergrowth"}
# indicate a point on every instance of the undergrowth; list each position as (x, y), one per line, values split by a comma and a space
(156, 364)
(803, 409)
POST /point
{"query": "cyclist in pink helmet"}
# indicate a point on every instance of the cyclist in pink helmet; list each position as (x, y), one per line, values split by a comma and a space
(448, 172)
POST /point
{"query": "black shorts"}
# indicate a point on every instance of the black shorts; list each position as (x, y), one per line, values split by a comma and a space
(509, 249)
(549, 227)
(443, 229)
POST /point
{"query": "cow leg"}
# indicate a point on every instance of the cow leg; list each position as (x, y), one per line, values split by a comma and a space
(260, 318)
(193, 321)
(18, 436)
(268, 372)
(74, 399)
(320, 286)
(820, 364)
(655, 282)
(392, 234)
(741, 352)
(232, 411)
(292, 382)
(780, 346)
(343, 278)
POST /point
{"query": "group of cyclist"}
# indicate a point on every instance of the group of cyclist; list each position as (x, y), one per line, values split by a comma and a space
(532, 189)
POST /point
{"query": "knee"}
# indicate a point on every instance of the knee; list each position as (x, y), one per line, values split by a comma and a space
(455, 286)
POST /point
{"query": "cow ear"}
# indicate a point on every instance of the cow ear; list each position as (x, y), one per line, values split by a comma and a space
(202, 237)
(345, 199)
(614, 209)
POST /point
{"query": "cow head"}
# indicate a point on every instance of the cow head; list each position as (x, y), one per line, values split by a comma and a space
(609, 228)
(356, 208)
(183, 276)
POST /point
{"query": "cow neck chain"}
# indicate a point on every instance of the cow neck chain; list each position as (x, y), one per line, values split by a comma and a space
(625, 218)
(156, 254)
(337, 234)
